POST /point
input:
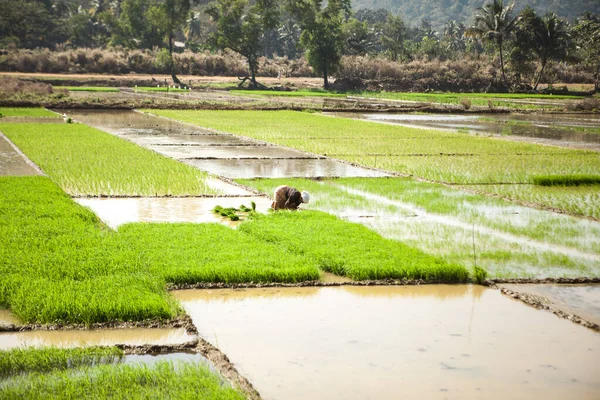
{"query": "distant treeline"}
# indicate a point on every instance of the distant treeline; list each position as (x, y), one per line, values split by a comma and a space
(184, 36)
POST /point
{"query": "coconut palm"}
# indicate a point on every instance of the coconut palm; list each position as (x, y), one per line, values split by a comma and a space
(495, 23)
(551, 38)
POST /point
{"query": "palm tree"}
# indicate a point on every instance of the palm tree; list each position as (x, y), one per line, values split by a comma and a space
(495, 23)
(551, 38)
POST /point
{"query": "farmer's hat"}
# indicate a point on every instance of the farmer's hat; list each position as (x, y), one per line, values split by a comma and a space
(305, 197)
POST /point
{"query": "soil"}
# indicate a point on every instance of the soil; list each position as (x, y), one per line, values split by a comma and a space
(540, 304)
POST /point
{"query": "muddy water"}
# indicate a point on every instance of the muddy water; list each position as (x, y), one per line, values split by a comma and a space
(282, 168)
(8, 318)
(150, 359)
(559, 130)
(228, 152)
(395, 342)
(101, 337)
(220, 154)
(581, 300)
(119, 211)
(12, 163)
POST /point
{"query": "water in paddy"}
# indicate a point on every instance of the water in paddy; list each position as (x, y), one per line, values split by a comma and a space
(96, 337)
(13, 163)
(281, 168)
(118, 211)
(8, 318)
(221, 154)
(581, 300)
(442, 341)
(560, 130)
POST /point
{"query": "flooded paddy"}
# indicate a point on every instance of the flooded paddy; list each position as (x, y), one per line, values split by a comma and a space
(427, 341)
(218, 153)
(581, 131)
(13, 162)
(282, 168)
(98, 337)
(580, 300)
(118, 211)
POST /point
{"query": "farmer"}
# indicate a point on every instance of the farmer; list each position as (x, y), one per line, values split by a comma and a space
(289, 198)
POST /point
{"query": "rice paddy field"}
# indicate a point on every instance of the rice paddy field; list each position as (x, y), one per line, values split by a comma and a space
(87, 162)
(100, 373)
(451, 158)
(509, 100)
(457, 209)
(26, 112)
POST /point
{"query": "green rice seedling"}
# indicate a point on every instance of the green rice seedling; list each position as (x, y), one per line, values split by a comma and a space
(349, 249)
(27, 112)
(181, 380)
(191, 253)
(566, 180)
(86, 161)
(163, 89)
(454, 158)
(415, 212)
(47, 359)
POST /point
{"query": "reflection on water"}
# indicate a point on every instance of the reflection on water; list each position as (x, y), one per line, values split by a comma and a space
(396, 342)
(581, 300)
(100, 337)
(559, 130)
(13, 163)
(118, 211)
(286, 168)
(188, 142)
(228, 152)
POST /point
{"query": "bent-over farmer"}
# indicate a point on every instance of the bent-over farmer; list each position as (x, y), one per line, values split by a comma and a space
(290, 198)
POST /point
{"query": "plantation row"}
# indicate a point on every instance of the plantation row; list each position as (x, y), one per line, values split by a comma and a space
(100, 372)
(60, 264)
(453, 158)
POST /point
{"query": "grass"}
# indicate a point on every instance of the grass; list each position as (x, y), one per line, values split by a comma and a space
(440, 221)
(27, 360)
(454, 158)
(566, 180)
(60, 264)
(26, 112)
(190, 253)
(349, 249)
(162, 380)
(85, 161)
(89, 89)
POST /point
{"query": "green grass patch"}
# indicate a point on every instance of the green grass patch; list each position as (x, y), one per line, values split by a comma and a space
(60, 264)
(27, 360)
(26, 112)
(189, 253)
(159, 381)
(89, 162)
(566, 180)
(349, 249)
(89, 89)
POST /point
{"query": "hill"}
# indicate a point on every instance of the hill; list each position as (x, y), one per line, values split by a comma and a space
(441, 11)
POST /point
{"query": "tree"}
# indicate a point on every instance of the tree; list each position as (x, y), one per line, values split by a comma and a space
(321, 32)
(586, 35)
(241, 27)
(358, 36)
(393, 35)
(551, 42)
(494, 23)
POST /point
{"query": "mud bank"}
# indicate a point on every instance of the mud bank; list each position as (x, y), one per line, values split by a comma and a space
(183, 321)
(584, 313)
